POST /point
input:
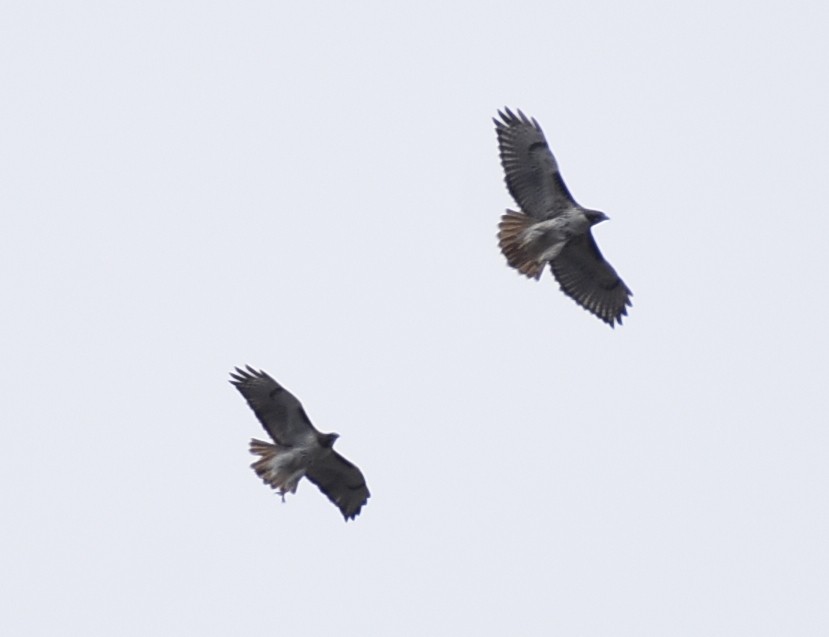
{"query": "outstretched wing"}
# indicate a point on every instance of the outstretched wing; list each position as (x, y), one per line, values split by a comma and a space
(588, 279)
(342, 482)
(279, 411)
(532, 174)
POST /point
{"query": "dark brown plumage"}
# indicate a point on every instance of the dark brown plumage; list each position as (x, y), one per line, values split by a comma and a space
(299, 449)
(551, 227)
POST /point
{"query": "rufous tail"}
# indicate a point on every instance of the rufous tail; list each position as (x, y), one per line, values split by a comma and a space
(511, 241)
(271, 467)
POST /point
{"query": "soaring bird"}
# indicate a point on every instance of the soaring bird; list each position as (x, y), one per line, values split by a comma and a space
(299, 449)
(551, 227)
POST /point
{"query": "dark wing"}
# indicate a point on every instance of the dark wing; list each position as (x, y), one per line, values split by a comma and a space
(279, 411)
(532, 174)
(342, 482)
(587, 278)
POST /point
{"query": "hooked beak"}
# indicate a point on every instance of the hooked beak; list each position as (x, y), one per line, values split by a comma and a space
(597, 216)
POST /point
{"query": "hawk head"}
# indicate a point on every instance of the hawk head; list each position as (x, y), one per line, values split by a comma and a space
(327, 440)
(595, 216)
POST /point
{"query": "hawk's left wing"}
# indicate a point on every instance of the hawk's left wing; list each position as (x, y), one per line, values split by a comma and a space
(590, 281)
(342, 482)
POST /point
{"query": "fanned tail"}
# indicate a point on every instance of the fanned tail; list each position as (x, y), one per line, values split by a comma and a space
(274, 468)
(511, 241)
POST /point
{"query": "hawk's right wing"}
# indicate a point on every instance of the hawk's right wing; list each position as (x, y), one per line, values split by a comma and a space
(531, 171)
(279, 411)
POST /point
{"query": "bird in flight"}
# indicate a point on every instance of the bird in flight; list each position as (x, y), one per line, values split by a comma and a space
(551, 227)
(299, 449)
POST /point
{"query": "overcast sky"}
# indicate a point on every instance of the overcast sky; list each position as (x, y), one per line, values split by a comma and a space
(314, 189)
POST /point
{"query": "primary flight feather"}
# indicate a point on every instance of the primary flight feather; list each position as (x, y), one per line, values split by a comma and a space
(551, 227)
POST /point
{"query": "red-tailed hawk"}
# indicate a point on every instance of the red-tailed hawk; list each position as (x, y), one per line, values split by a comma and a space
(551, 227)
(299, 449)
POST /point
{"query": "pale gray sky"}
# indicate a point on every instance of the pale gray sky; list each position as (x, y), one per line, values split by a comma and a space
(314, 189)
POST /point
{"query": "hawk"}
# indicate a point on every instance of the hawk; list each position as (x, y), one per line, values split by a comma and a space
(299, 449)
(551, 227)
